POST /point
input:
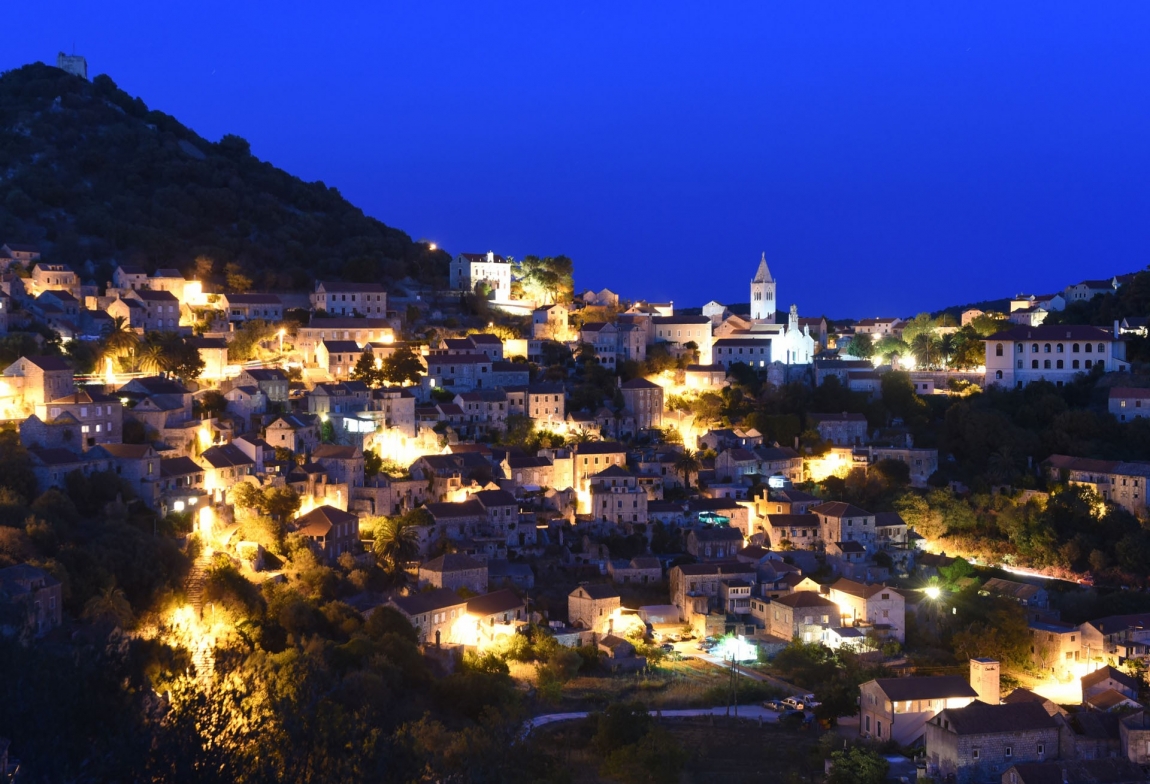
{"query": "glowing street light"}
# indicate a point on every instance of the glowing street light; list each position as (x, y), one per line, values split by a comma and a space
(932, 592)
(432, 246)
(281, 337)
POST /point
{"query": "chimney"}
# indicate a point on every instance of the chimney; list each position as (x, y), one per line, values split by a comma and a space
(984, 679)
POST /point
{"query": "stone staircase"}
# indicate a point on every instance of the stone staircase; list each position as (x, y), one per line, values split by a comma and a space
(202, 655)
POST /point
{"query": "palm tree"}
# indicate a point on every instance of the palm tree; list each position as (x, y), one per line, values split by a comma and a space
(688, 463)
(109, 606)
(924, 346)
(948, 346)
(119, 338)
(152, 358)
(396, 543)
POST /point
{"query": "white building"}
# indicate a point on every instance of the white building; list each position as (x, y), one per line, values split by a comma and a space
(1055, 352)
(470, 269)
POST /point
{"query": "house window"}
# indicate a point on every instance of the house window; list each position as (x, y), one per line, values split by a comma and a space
(1009, 752)
(1041, 748)
(974, 754)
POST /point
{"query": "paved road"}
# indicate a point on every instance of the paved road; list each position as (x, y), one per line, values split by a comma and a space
(744, 712)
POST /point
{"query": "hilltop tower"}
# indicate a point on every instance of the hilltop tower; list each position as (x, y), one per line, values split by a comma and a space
(73, 64)
(763, 294)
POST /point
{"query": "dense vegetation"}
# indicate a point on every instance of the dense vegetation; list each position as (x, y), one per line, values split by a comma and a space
(91, 174)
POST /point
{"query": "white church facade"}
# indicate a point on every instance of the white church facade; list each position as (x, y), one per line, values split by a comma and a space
(760, 341)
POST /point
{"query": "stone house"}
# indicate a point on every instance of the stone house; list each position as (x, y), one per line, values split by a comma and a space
(789, 501)
(704, 377)
(297, 433)
(803, 615)
(454, 571)
(643, 400)
(617, 497)
(843, 429)
(921, 463)
(1127, 403)
(898, 708)
(544, 403)
(33, 381)
(979, 742)
(51, 466)
(338, 357)
(1055, 647)
(496, 614)
(1026, 594)
(843, 522)
(54, 277)
(478, 343)
(591, 458)
(529, 472)
(362, 330)
(455, 520)
(458, 373)
(398, 408)
(715, 544)
(138, 465)
(681, 330)
(594, 607)
(433, 613)
(161, 310)
(640, 569)
(791, 531)
(252, 307)
(224, 465)
(214, 353)
(100, 417)
(273, 382)
(697, 585)
(484, 410)
(331, 532)
(551, 322)
(1121, 483)
(246, 403)
(875, 606)
(343, 464)
(1098, 685)
(339, 298)
(180, 484)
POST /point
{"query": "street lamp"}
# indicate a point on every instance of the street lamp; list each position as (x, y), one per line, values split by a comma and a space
(281, 337)
(933, 592)
(432, 246)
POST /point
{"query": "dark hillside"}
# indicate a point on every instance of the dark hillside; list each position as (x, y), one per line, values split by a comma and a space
(89, 173)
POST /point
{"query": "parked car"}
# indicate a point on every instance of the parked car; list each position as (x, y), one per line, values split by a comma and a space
(775, 705)
(794, 703)
(667, 647)
(809, 701)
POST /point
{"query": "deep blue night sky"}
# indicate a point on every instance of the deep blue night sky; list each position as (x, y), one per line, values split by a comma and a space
(888, 159)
